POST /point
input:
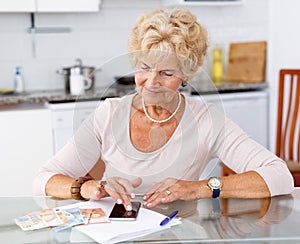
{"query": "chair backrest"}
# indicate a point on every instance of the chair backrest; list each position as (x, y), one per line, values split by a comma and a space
(288, 117)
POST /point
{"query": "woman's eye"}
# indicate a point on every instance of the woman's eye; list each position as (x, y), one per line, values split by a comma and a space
(145, 67)
(167, 73)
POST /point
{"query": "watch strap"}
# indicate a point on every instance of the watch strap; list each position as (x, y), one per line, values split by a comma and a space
(216, 193)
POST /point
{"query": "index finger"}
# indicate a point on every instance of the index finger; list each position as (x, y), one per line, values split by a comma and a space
(117, 191)
(128, 187)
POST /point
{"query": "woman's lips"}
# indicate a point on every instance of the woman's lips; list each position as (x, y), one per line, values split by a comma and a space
(151, 91)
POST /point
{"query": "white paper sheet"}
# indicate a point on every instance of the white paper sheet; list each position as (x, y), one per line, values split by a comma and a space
(116, 231)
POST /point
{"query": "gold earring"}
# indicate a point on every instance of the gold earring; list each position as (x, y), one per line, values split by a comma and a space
(184, 84)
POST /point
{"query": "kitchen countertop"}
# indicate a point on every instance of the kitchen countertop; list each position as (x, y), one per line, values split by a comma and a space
(41, 97)
(226, 87)
(56, 96)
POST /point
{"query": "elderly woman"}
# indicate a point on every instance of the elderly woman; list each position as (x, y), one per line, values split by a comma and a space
(157, 141)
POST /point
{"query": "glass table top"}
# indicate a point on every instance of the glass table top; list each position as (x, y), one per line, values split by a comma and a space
(268, 220)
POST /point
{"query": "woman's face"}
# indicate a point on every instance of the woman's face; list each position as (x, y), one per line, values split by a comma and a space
(158, 81)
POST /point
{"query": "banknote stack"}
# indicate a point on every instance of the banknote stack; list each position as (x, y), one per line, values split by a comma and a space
(61, 219)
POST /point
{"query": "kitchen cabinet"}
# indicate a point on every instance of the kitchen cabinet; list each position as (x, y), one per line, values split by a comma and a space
(247, 109)
(202, 2)
(17, 6)
(67, 6)
(66, 118)
(46, 6)
(25, 145)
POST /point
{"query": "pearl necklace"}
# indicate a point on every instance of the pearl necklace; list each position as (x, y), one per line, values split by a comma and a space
(164, 120)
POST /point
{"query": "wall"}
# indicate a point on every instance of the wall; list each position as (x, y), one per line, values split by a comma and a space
(98, 38)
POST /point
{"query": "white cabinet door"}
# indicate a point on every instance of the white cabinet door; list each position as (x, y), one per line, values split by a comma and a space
(67, 117)
(201, 2)
(17, 5)
(249, 110)
(49, 6)
(251, 113)
(68, 5)
(25, 145)
(252, 116)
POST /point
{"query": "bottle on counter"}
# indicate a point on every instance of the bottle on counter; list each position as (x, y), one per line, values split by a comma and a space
(18, 81)
(217, 65)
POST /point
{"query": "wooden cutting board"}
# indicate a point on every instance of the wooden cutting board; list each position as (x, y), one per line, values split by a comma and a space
(247, 62)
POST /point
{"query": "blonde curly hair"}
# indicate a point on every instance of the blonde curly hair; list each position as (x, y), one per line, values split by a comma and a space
(174, 31)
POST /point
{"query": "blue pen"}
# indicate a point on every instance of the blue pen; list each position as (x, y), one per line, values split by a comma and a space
(169, 218)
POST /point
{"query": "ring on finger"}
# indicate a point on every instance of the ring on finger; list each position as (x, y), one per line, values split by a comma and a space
(168, 192)
(103, 183)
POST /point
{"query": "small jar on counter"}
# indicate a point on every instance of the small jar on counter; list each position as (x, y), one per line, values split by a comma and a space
(217, 65)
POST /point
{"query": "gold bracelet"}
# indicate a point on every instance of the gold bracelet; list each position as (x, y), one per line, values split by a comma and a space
(76, 188)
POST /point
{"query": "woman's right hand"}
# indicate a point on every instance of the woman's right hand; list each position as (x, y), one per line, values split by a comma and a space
(122, 190)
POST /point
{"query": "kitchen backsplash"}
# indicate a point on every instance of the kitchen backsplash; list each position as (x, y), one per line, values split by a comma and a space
(100, 39)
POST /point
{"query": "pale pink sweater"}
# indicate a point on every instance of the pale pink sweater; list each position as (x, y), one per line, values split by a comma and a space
(203, 134)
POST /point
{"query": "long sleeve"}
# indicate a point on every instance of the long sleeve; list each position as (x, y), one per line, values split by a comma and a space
(241, 153)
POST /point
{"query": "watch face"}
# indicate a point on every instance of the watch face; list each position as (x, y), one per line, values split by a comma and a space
(215, 183)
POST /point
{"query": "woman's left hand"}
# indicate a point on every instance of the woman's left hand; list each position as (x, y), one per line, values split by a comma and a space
(170, 190)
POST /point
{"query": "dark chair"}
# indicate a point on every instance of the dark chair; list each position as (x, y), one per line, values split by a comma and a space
(288, 121)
